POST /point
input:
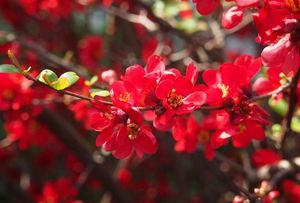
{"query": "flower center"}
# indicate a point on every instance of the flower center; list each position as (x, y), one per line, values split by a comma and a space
(242, 128)
(224, 89)
(109, 116)
(8, 95)
(244, 108)
(174, 99)
(125, 97)
(203, 137)
(133, 130)
(294, 5)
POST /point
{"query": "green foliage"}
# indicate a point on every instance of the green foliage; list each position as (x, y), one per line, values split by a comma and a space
(280, 107)
(8, 68)
(66, 80)
(295, 125)
(99, 92)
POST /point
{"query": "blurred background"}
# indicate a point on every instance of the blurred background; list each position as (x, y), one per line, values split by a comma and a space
(47, 148)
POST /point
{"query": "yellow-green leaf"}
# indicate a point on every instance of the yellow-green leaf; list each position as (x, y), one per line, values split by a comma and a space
(64, 81)
(295, 125)
(60, 84)
(71, 77)
(47, 76)
(99, 92)
(8, 68)
(280, 107)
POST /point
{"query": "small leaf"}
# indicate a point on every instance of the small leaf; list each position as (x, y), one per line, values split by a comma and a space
(47, 76)
(8, 68)
(50, 78)
(295, 125)
(65, 80)
(99, 92)
(60, 84)
(279, 106)
(92, 81)
(27, 70)
(71, 77)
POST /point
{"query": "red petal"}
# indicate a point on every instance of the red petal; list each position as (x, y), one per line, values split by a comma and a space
(155, 65)
(192, 73)
(165, 121)
(164, 88)
(145, 141)
(255, 131)
(99, 122)
(124, 144)
(232, 17)
(247, 3)
(183, 86)
(135, 74)
(179, 128)
(210, 77)
(103, 136)
(196, 98)
(205, 7)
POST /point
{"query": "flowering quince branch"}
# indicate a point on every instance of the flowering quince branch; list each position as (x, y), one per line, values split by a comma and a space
(130, 108)
(293, 99)
(175, 95)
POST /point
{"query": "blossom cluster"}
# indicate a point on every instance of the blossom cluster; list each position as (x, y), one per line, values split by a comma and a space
(169, 99)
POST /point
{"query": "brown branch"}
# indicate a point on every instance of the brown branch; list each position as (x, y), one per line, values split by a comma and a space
(278, 172)
(293, 99)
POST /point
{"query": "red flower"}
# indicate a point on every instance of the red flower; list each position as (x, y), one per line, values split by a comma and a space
(243, 133)
(91, 51)
(122, 132)
(62, 190)
(123, 94)
(291, 191)
(283, 54)
(178, 97)
(265, 156)
(230, 81)
(205, 7)
(145, 80)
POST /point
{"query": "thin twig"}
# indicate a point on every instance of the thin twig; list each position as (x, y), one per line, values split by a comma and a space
(293, 99)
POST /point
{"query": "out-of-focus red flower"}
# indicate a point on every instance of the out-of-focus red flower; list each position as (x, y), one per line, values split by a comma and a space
(291, 191)
(61, 190)
(265, 156)
(205, 7)
(91, 51)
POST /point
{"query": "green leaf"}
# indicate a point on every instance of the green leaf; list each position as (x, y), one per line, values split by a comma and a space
(92, 81)
(295, 125)
(47, 76)
(65, 80)
(71, 77)
(280, 107)
(99, 92)
(8, 68)
(60, 84)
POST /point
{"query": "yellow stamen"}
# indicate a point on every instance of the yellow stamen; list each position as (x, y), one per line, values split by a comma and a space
(133, 130)
(174, 99)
